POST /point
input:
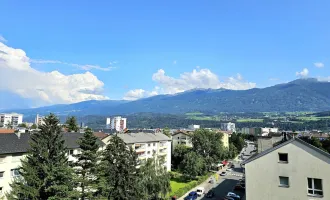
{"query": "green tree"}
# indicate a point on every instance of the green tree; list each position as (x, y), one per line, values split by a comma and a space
(22, 125)
(192, 165)
(154, 180)
(86, 165)
(178, 154)
(119, 171)
(45, 172)
(166, 132)
(71, 124)
(237, 140)
(209, 145)
(232, 152)
(34, 126)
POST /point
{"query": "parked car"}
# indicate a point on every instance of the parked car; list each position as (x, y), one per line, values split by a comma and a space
(228, 198)
(239, 187)
(210, 194)
(229, 169)
(233, 195)
(232, 166)
(200, 191)
(223, 174)
(191, 196)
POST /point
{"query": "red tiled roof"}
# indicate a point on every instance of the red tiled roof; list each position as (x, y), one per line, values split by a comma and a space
(100, 135)
(6, 131)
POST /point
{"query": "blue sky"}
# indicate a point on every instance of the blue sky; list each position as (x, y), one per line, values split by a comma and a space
(134, 49)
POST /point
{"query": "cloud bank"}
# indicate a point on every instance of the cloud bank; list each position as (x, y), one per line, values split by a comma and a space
(198, 78)
(304, 73)
(19, 77)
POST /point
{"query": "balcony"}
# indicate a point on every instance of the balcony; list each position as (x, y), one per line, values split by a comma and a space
(142, 155)
(140, 148)
(162, 152)
(162, 146)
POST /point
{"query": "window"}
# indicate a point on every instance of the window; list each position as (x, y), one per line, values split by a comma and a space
(148, 152)
(0, 190)
(71, 152)
(2, 159)
(284, 181)
(15, 172)
(2, 174)
(149, 145)
(178, 138)
(283, 157)
(154, 144)
(315, 187)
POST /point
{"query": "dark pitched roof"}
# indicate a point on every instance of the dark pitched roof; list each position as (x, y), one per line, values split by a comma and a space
(254, 157)
(11, 143)
(100, 135)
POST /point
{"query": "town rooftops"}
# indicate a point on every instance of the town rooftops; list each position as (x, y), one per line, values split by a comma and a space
(256, 156)
(19, 143)
(100, 135)
(131, 138)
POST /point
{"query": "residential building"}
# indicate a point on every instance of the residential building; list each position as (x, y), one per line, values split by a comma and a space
(13, 147)
(147, 145)
(39, 120)
(12, 119)
(182, 137)
(292, 170)
(225, 139)
(265, 131)
(194, 127)
(108, 122)
(228, 127)
(118, 123)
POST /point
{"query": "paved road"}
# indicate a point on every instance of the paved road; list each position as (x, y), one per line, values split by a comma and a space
(226, 184)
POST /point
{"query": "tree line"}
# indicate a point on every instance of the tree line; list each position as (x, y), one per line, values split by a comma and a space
(207, 150)
(113, 172)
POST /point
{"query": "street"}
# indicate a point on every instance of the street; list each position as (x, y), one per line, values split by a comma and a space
(227, 183)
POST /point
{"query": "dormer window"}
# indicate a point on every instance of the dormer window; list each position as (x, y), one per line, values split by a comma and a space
(283, 157)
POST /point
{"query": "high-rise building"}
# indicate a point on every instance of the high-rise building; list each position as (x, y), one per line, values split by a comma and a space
(228, 127)
(12, 119)
(108, 122)
(39, 120)
(118, 123)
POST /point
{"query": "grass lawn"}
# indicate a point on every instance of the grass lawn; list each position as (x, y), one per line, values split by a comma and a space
(249, 120)
(194, 113)
(176, 184)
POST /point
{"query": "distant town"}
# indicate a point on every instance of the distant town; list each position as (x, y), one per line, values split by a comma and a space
(241, 155)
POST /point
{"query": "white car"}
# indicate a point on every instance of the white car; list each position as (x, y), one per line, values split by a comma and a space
(229, 170)
(223, 174)
(200, 191)
(232, 194)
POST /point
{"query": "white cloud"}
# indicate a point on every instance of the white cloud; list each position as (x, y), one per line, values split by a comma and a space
(2, 39)
(79, 66)
(303, 73)
(318, 64)
(140, 93)
(17, 76)
(202, 78)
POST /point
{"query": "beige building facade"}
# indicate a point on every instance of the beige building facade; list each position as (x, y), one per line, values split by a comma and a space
(293, 170)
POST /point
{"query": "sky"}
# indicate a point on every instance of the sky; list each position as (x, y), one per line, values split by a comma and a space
(69, 51)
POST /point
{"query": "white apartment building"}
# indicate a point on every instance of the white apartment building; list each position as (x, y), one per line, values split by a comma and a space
(108, 122)
(228, 127)
(13, 119)
(147, 145)
(194, 126)
(39, 120)
(118, 123)
(293, 170)
(13, 147)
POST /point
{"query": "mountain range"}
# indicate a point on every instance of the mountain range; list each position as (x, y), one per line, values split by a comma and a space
(298, 95)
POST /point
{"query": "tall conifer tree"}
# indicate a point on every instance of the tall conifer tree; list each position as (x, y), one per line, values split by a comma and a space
(86, 165)
(45, 172)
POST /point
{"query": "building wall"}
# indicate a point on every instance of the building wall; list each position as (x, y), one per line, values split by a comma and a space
(181, 138)
(118, 123)
(13, 119)
(7, 163)
(228, 127)
(225, 140)
(262, 174)
(265, 143)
